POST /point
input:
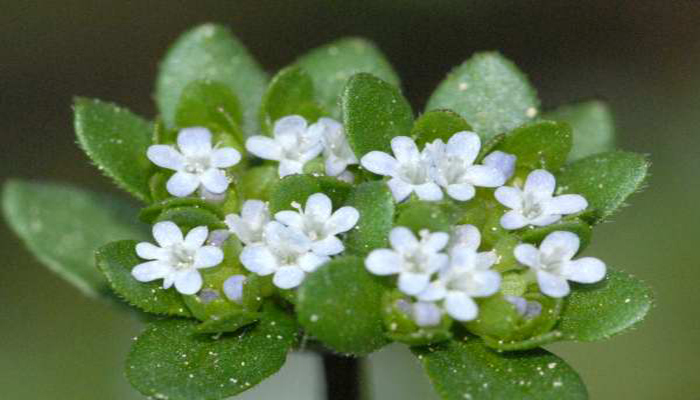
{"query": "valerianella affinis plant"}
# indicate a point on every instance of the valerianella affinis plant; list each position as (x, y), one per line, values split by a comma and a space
(315, 205)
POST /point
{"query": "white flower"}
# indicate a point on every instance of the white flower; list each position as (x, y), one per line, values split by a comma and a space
(248, 227)
(413, 260)
(536, 204)
(453, 166)
(178, 259)
(293, 144)
(285, 252)
(197, 163)
(320, 224)
(554, 266)
(468, 275)
(409, 170)
(336, 148)
(503, 162)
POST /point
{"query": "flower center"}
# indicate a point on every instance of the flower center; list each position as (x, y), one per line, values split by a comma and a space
(532, 208)
(414, 172)
(197, 165)
(182, 258)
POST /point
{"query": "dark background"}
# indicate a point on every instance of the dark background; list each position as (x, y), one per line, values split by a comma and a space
(642, 57)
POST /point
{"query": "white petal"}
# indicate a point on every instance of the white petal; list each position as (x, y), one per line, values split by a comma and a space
(561, 245)
(280, 236)
(463, 258)
(214, 180)
(413, 283)
(586, 270)
(461, 191)
(426, 314)
(488, 283)
(503, 162)
(149, 251)
(467, 236)
(233, 287)
(461, 307)
(483, 176)
(290, 167)
(566, 204)
(513, 220)
(465, 144)
(540, 181)
(258, 259)
(182, 184)
(238, 227)
(436, 241)
(329, 246)
(288, 277)
(544, 220)
(527, 254)
(436, 262)
(433, 292)
(429, 191)
(309, 262)
(399, 189)
(335, 166)
(225, 157)
(319, 207)
(509, 196)
(347, 176)
(254, 210)
(552, 285)
(518, 302)
(402, 239)
(311, 151)
(290, 218)
(150, 271)
(208, 256)
(486, 259)
(264, 147)
(194, 141)
(218, 237)
(404, 148)
(383, 262)
(379, 163)
(166, 157)
(342, 220)
(196, 237)
(294, 124)
(189, 282)
(167, 233)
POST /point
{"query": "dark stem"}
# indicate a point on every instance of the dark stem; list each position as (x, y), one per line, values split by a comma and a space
(342, 377)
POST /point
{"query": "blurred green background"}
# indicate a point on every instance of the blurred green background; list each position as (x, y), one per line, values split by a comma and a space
(641, 56)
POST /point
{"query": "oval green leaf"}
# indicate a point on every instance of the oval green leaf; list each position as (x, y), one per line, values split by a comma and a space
(116, 140)
(291, 92)
(192, 217)
(374, 112)
(438, 124)
(418, 215)
(209, 104)
(341, 305)
(490, 93)
(539, 145)
(593, 127)
(150, 214)
(168, 362)
(374, 202)
(331, 66)
(470, 370)
(64, 226)
(210, 52)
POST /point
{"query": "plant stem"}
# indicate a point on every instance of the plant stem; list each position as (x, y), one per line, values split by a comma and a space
(342, 377)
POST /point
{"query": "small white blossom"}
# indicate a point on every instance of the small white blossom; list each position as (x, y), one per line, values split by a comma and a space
(413, 260)
(177, 260)
(467, 276)
(503, 162)
(409, 170)
(320, 224)
(248, 227)
(285, 252)
(536, 204)
(336, 148)
(196, 162)
(453, 166)
(553, 264)
(293, 144)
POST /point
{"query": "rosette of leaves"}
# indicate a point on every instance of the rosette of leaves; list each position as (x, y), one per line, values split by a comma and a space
(205, 346)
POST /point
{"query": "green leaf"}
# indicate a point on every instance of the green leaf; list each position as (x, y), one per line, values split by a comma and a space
(150, 214)
(438, 124)
(374, 202)
(168, 361)
(297, 188)
(490, 93)
(374, 112)
(116, 140)
(192, 217)
(228, 323)
(209, 104)
(612, 306)
(341, 305)
(539, 145)
(592, 124)
(116, 260)
(64, 226)
(418, 215)
(606, 180)
(210, 52)
(330, 67)
(290, 92)
(258, 182)
(470, 370)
